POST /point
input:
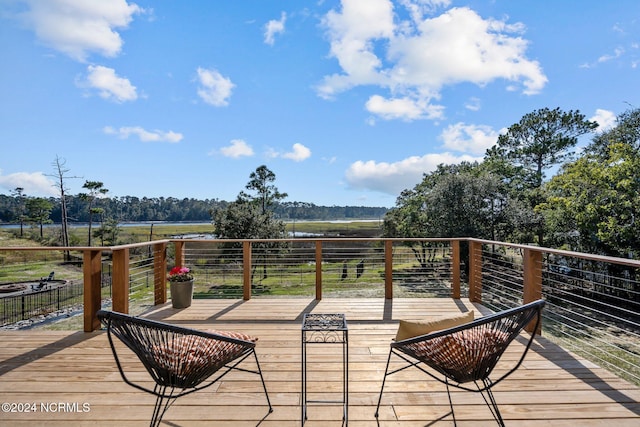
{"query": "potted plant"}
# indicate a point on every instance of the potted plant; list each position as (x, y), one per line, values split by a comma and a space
(181, 286)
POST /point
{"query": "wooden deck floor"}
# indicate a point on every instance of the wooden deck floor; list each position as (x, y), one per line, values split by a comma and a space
(73, 375)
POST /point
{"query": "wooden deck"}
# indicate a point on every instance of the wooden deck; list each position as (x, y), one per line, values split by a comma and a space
(73, 375)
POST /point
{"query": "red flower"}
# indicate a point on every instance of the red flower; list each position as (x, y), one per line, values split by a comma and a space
(179, 274)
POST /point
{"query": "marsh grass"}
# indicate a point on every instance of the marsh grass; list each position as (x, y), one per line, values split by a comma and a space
(140, 233)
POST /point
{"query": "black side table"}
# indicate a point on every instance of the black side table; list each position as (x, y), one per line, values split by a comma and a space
(326, 329)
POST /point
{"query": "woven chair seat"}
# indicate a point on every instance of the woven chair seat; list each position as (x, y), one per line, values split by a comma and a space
(185, 359)
(464, 356)
(179, 360)
(468, 353)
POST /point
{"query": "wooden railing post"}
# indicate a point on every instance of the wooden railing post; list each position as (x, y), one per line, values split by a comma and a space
(160, 273)
(388, 269)
(318, 269)
(92, 274)
(246, 263)
(179, 253)
(475, 271)
(120, 280)
(532, 275)
(455, 269)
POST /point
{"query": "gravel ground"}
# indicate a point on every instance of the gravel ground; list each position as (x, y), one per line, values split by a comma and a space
(44, 319)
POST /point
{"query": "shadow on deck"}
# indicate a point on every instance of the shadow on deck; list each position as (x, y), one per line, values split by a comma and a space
(60, 378)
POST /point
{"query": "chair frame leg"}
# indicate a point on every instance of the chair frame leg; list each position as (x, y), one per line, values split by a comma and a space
(163, 402)
(483, 389)
(453, 414)
(264, 386)
(387, 373)
(510, 322)
(258, 371)
(384, 380)
(490, 400)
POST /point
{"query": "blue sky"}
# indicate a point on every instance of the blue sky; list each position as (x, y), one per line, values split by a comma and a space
(348, 103)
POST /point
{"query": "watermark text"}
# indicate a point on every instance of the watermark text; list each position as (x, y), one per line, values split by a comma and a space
(46, 407)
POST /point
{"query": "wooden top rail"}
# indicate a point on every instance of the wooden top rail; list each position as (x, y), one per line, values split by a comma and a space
(138, 245)
(83, 248)
(603, 258)
(329, 239)
(54, 248)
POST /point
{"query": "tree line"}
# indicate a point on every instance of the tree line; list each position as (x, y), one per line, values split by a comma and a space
(137, 209)
(95, 207)
(591, 204)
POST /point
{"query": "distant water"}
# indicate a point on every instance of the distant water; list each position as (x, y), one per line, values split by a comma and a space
(122, 224)
(150, 223)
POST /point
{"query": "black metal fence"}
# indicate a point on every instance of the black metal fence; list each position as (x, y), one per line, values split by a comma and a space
(32, 304)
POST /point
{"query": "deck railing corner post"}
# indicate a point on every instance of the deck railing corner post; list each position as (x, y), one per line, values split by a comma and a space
(532, 280)
(120, 290)
(92, 281)
(246, 262)
(160, 273)
(388, 269)
(179, 253)
(318, 260)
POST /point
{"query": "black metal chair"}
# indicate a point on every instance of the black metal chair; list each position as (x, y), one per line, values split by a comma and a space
(468, 353)
(180, 360)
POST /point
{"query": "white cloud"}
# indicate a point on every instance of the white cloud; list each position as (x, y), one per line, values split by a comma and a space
(412, 61)
(330, 160)
(473, 104)
(79, 27)
(274, 27)
(393, 178)
(403, 108)
(617, 53)
(617, 27)
(214, 89)
(419, 8)
(474, 139)
(351, 35)
(109, 85)
(606, 119)
(144, 135)
(34, 183)
(237, 148)
(298, 153)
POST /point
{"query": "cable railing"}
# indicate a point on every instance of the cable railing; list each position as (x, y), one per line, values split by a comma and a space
(593, 303)
(217, 267)
(324, 268)
(141, 281)
(422, 269)
(502, 269)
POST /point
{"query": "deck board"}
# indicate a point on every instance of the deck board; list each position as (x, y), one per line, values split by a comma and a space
(552, 387)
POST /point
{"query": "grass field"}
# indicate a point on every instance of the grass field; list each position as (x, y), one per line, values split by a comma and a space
(129, 233)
